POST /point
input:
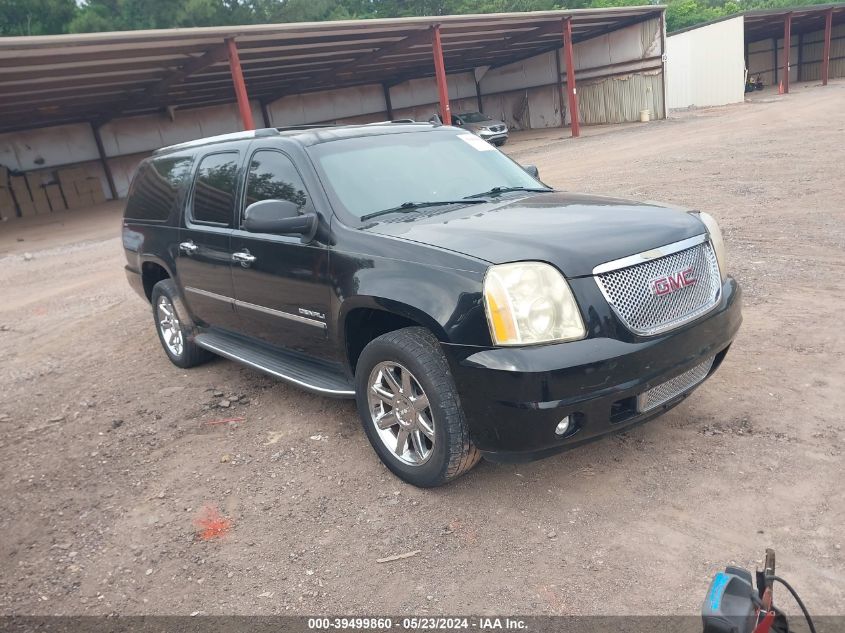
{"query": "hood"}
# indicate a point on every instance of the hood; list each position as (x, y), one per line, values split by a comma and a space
(574, 232)
(483, 124)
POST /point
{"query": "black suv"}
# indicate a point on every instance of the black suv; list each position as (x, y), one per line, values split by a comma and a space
(470, 309)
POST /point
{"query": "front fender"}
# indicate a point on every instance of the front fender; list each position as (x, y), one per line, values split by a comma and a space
(447, 302)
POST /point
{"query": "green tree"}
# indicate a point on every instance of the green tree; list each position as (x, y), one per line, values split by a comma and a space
(35, 17)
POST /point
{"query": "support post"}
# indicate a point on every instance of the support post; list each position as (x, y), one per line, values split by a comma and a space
(800, 55)
(440, 73)
(787, 47)
(560, 94)
(828, 28)
(95, 129)
(478, 96)
(663, 58)
(388, 104)
(240, 85)
(265, 114)
(775, 62)
(570, 77)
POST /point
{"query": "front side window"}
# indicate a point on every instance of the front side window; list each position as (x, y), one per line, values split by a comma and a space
(371, 173)
(272, 176)
(215, 188)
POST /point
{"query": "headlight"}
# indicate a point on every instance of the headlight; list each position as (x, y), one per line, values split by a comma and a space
(717, 241)
(530, 302)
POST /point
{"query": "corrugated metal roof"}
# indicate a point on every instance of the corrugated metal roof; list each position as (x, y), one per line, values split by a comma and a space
(47, 80)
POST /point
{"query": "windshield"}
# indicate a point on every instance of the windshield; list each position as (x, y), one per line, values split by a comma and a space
(371, 173)
(474, 117)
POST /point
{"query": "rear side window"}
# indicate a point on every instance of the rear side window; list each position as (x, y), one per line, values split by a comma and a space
(157, 187)
(215, 189)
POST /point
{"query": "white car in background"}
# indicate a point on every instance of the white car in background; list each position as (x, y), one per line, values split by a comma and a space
(491, 130)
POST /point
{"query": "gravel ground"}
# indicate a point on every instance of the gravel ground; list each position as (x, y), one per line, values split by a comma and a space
(111, 457)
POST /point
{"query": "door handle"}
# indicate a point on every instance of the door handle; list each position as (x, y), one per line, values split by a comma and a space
(244, 258)
(188, 247)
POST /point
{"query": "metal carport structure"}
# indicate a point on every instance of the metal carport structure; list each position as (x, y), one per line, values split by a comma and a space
(783, 23)
(100, 78)
(707, 62)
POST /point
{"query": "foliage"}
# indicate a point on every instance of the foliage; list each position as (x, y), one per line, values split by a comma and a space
(42, 17)
(36, 17)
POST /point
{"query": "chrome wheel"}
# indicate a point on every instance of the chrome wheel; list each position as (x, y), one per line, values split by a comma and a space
(401, 413)
(168, 324)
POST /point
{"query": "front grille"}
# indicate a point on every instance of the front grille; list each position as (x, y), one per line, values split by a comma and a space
(664, 392)
(497, 128)
(631, 290)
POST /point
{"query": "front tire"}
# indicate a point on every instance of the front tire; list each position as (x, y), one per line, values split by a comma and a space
(175, 338)
(410, 409)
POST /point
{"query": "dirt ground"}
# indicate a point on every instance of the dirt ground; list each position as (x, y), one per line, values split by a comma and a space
(110, 454)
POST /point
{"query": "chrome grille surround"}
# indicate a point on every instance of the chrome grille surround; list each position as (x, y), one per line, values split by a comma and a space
(664, 392)
(626, 284)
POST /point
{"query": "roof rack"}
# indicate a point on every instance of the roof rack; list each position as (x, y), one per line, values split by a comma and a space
(304, 126)
(400, 121)
(317, 126)
(267, 132)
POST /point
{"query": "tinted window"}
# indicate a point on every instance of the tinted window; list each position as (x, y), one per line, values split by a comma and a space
(272, 176)
(371, 173)
(156, 188)
(474, 117)
(215, 188)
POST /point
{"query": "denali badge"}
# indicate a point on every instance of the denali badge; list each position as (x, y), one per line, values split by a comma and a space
(312, 313)
(672, 282)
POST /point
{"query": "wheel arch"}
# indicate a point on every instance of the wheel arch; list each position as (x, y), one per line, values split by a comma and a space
(153, 270)
(367, 318)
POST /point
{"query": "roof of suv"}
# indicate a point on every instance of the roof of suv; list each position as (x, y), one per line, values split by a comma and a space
(308, 135)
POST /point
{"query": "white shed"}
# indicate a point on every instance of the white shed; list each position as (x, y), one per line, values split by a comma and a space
(706, 66)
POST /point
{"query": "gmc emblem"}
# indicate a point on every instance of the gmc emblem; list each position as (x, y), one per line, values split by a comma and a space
(672, 282)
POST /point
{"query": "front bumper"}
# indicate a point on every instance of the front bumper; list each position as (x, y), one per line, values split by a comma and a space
(513, 398)
(494, 137)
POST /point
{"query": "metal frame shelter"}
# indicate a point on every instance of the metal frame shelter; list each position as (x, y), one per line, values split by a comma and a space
(761, 25)
(52, 80)
(783, 23)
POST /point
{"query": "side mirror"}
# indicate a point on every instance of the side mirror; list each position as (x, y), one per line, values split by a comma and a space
(531, 170)
(278, 216)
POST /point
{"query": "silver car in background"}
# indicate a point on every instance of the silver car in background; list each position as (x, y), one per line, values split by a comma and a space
(491, 130)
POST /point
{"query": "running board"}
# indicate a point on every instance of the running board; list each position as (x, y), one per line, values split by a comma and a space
(312, 375)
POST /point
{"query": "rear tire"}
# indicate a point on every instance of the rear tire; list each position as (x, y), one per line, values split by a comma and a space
(176, 339)
(406, 396)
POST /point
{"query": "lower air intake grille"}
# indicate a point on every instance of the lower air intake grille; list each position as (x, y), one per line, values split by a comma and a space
(664, 392)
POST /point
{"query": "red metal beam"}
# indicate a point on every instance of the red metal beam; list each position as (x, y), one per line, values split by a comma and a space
(240, 86)
(828, 28)
(787, 48)
(440, 74)
(570, 77)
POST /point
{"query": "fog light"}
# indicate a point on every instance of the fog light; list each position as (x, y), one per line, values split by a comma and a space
(562, 426)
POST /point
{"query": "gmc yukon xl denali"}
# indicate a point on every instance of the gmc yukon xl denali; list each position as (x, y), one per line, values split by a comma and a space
(468, 308)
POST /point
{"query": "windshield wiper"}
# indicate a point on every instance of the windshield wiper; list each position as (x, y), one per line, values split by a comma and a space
(497, 191)
(407, 207)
